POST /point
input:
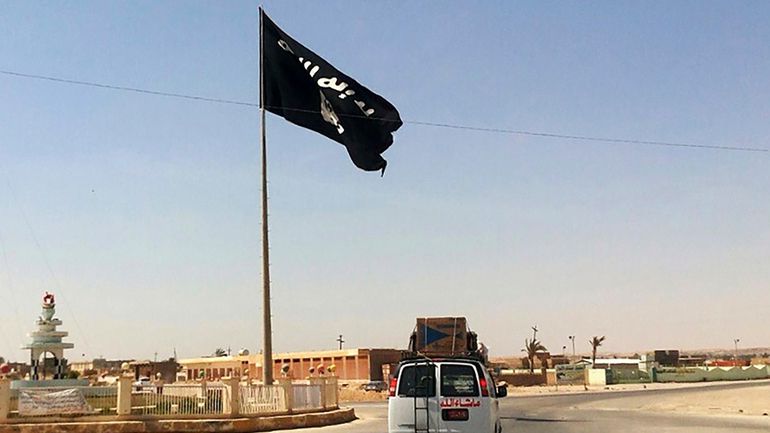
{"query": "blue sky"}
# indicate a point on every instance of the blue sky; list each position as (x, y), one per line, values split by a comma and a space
(142, 212)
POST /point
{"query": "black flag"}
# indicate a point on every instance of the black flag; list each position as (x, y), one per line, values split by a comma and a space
(306, 90)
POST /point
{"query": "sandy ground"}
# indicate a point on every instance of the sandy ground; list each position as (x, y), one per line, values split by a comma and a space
(708, 400)
(349, 394)
(711, 398)
(569, 389)
(702, 398)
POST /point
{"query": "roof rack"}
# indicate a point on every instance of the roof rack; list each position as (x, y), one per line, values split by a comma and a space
(419, 356)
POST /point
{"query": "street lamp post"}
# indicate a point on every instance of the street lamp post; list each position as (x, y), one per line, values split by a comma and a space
(736, 341)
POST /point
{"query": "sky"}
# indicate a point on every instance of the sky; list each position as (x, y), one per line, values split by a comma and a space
(141, 212)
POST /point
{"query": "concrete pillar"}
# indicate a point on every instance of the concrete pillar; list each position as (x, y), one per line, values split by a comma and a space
(5, 398)
(288, 393)
(205, 394)
(232, 406)
(333, 384)
(124, 394)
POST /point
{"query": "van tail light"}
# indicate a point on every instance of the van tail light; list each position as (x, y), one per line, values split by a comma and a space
(454, 414)
(392, 388)
(484, 389)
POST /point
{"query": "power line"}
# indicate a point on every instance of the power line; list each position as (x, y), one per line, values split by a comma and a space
(11, 292)
(412, 122)
(47, 262)
(129, 89)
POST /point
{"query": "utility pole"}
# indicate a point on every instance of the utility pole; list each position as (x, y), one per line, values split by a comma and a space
(572, 337)
(534, 333)
(340, 340)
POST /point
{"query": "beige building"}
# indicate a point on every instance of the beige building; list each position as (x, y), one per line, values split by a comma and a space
(100, 365)
(349, 364)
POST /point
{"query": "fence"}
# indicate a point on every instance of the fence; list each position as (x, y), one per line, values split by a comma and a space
(260, 399)
(625, 375)
(708, 374)
(193, 399)
(208, 399)
(77, 400)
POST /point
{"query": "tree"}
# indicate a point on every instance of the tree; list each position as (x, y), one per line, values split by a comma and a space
(2, 360)
(595, 343)
(532, 347)
(220, 352)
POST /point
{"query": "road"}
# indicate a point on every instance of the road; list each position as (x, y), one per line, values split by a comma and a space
(563, 414)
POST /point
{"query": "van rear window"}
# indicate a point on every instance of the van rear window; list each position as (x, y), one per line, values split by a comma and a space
(417, 381)
(458, 381)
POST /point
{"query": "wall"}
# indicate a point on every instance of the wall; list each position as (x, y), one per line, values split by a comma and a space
(626, 375)
(595, 376)
(378, 357)
(525, 379)
(708, 374)
(167, 370)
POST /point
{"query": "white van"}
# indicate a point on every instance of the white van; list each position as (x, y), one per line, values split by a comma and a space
(443, 395)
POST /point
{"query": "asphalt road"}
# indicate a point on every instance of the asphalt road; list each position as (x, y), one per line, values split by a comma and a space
(562, 414)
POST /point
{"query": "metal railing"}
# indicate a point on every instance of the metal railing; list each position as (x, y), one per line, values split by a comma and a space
(183, 399)
(226, 398)
(260, 399)
(99, 400)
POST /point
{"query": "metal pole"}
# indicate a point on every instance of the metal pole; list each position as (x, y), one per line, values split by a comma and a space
(267, 334)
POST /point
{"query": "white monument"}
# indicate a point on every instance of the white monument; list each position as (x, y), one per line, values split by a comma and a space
(47, 340)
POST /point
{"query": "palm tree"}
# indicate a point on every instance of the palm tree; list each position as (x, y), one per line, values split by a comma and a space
(595, 343)
(532, 347)
(220, 352)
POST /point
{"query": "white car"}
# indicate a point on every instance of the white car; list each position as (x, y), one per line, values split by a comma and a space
(443, 395)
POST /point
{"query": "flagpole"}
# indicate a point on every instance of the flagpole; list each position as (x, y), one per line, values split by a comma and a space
(267, 336)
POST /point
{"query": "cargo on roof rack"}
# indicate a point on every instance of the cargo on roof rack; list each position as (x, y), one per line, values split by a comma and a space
(443, 336)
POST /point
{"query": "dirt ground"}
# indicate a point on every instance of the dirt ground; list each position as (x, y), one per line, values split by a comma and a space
(711, 398)
(348, 394)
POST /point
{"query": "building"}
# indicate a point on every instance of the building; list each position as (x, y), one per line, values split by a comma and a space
(667, 357)
(349, 364)
(619, 363)
(163, 370)
(98, 365)
(214, 367)
(18, 369)
(691, 360)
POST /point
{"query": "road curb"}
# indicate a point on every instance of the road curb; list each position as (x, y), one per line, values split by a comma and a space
(229, 425)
